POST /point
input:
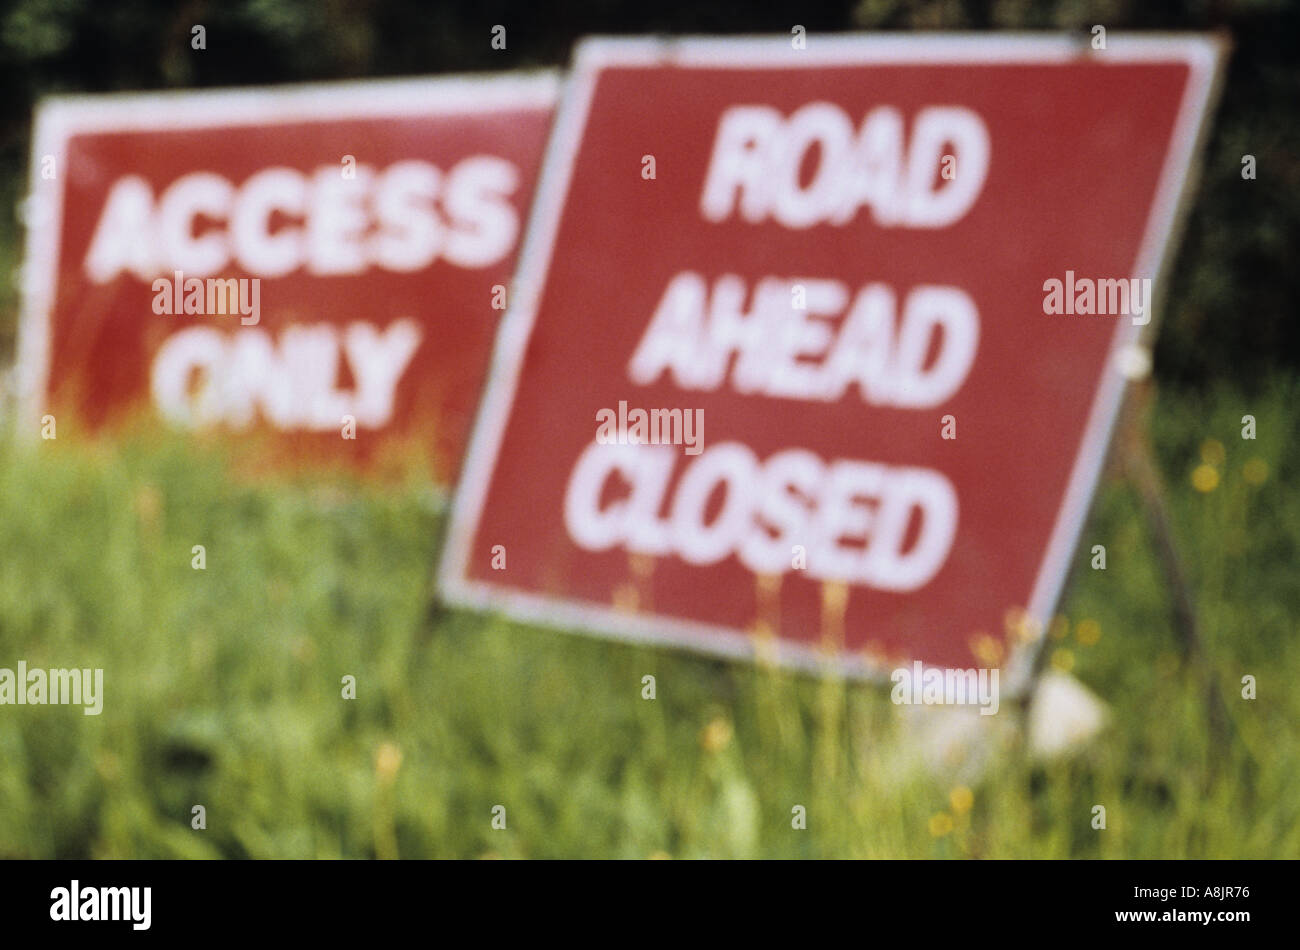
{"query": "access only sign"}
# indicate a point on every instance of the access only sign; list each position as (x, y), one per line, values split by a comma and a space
(323, 264)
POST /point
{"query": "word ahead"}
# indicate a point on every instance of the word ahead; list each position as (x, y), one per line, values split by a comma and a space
(840, 259)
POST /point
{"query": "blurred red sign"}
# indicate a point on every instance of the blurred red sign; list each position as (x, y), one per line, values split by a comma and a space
(327, 263)
(791, 368)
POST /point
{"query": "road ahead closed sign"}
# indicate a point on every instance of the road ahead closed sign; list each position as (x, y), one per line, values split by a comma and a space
(324, 264)
(820, 344)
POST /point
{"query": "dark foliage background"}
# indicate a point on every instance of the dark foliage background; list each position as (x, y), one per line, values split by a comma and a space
(1232, 306)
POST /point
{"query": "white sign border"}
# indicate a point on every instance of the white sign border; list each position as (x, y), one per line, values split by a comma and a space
(1203, 54)
(58, 118)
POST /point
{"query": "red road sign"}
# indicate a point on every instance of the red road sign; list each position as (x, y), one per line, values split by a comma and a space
(296, 257)
(838, 260)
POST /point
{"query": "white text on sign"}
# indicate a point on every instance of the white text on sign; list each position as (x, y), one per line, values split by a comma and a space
(812, 339)
(783, 351)
(855, 518)
(400, 219)
(758, 156)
